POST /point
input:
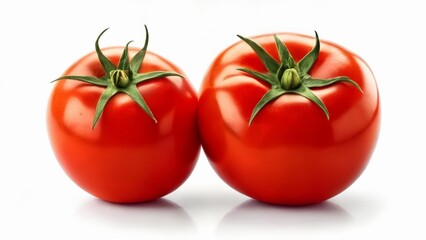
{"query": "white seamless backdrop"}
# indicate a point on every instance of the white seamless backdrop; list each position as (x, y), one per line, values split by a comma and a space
(40, 39)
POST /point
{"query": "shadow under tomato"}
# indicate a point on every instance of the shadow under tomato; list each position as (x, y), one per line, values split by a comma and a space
(252, 218)
(161, 217)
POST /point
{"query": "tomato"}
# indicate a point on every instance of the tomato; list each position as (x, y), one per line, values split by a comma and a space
(287, 123)
(135, 151)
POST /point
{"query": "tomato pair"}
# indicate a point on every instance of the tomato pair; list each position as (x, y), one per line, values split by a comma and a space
(285, 119)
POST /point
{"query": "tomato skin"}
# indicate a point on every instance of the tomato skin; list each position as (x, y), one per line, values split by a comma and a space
(127, 157)
(290, 154)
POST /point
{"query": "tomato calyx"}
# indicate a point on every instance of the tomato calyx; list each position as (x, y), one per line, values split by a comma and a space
(121, 78)
(289, 76)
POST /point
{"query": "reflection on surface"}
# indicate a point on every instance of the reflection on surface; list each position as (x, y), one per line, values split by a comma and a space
(252, 217)
(161, 217)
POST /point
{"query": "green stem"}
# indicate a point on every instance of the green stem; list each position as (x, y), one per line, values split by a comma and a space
(120, 78)
(290, 79)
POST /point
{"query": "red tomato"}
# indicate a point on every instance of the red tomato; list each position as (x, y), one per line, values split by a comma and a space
(290, 153)
(127, 157)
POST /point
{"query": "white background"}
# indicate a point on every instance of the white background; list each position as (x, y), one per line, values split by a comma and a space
(40, 39)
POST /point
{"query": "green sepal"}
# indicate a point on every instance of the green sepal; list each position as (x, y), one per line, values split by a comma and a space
(137, 60)
(317, 82)
(266, 98)
(124, 59)
(287, 61)
(153, 75)
(270, 63)
(105, 62)
(86, 79)
(271, 79)
(134, 93)
(307, 93)
(103, 100)
(306, 63)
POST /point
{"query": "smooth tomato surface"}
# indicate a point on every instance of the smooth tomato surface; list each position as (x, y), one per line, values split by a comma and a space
(127, 157)
(290, 154)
